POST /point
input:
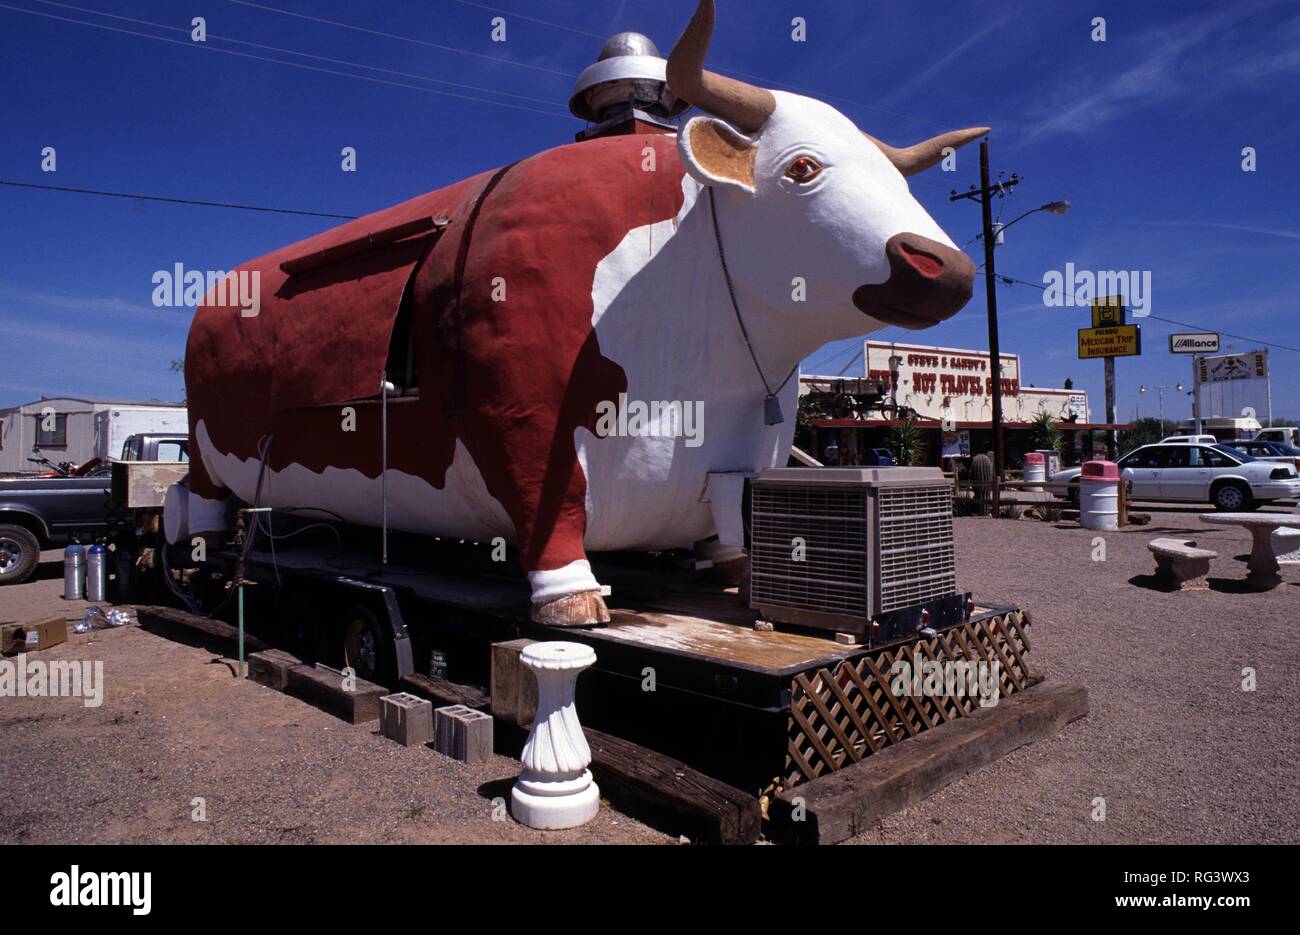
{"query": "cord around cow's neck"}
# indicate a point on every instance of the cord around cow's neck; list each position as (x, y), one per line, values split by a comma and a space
(771, 405)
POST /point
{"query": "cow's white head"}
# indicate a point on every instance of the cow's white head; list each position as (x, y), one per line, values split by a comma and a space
(803, 193)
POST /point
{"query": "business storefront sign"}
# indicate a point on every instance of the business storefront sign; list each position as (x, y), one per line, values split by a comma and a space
(1195, 342)
(1115, 341)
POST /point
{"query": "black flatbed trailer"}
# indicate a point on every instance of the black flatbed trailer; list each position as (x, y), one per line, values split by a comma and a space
(681, 667)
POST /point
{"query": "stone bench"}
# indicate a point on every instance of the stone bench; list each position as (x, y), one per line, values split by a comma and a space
(1181, 563)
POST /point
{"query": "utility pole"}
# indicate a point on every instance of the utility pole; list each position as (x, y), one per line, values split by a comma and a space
(985, 195)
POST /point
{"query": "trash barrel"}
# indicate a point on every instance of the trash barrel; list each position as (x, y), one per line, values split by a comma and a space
(1099, 495)
(1035, 468)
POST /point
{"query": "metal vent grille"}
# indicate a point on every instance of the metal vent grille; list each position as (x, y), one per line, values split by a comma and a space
(917, 558)
(833, 525)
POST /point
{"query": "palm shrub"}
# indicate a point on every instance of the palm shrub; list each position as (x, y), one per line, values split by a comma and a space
(906, 441)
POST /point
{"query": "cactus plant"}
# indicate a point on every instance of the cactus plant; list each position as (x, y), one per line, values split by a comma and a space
(981, 479)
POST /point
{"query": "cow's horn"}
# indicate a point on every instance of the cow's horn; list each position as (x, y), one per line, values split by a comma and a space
(742, 105)
(920, 156)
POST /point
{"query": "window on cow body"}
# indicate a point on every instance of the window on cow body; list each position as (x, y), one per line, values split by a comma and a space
(400, 369)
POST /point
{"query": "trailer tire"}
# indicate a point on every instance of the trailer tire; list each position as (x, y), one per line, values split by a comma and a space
(368, 645)
(20, 553)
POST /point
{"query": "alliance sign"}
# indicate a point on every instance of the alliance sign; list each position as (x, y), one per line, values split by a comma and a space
(1195, 342)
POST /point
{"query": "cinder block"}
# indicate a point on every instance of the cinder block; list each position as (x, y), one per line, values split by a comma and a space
(514, 687)
(407, 719)
(444, 726)
(472, 737)
(271, 667)
(463, 733)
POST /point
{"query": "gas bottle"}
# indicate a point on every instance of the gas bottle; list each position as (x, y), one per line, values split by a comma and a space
(96, 573)
(74, 572)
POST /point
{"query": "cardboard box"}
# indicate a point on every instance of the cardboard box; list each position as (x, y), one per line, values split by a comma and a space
(33, 635)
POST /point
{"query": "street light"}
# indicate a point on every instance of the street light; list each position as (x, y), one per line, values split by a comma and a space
(1178, 388)
(1052, 207)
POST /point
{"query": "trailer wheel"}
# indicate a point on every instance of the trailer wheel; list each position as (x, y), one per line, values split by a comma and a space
(367, 645)
(19, 554)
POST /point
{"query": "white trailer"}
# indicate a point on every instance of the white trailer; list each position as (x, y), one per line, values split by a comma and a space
(115, 424)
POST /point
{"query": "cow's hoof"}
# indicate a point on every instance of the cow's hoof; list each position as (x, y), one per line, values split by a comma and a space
(584, 609)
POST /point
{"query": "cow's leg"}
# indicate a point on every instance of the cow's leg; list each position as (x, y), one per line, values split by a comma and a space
(546, 500)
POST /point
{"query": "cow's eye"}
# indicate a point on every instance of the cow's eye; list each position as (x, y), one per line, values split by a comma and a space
(803, 169)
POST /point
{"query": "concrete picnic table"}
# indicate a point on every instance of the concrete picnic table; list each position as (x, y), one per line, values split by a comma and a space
(1262, 569)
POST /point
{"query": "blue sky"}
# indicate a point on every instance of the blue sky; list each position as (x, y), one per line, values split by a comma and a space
(1142, 133)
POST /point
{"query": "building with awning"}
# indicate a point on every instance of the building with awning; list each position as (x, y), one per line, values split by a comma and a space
(946, 392)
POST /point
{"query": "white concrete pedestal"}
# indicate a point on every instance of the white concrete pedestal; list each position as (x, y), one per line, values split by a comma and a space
(555, 788)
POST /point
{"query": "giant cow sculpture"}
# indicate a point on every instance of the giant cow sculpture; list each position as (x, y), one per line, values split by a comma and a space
(689, 270)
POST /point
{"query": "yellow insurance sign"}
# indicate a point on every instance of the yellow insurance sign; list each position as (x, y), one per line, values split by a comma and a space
(1115, 341)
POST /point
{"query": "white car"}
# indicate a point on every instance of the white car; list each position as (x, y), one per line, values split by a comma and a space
(1190, 473)
(1189, 440)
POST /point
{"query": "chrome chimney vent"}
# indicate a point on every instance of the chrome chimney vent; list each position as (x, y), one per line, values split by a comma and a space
(628, 78)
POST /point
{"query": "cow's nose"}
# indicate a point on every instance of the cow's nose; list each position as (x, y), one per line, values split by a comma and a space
(927, 283)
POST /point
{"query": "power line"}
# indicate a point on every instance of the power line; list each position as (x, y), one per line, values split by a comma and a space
(176, 201)
(275, 61)
(1239, 337)
(531, 19)
(389, 35)
(1008, 280)
(321, 58)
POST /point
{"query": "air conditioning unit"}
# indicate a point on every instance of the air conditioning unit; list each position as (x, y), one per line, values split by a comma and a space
(866, 551)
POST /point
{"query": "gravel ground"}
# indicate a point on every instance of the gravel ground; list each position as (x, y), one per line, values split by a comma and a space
(176, 725)
(1175, 747)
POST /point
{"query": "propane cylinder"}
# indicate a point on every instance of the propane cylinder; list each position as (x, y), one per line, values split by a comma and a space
(96, 573)
(74, 572)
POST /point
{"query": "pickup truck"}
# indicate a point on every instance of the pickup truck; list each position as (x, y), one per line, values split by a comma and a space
(39, 513)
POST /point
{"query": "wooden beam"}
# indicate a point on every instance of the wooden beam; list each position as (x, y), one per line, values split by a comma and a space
(442, 692)
(669, 795)
(844, 803)
(194, 630)
(355, 701)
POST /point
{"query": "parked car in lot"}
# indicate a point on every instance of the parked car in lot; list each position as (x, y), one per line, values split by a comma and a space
(39, 513)
(1286, 434)
(1265, 451)
(1189, 440)
(1193, 473)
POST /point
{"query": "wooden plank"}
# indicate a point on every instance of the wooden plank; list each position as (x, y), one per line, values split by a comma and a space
(356, 702)
(669, 794)
(442, 692)
(840, 805)
(194, 630)
(270, 667)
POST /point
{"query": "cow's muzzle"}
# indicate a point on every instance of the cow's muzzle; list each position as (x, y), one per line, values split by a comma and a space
(927, 283)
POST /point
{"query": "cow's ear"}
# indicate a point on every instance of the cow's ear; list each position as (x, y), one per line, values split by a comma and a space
(715, 153)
